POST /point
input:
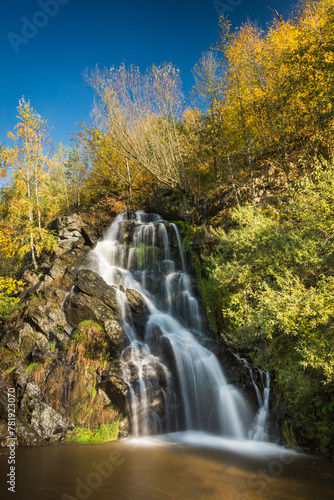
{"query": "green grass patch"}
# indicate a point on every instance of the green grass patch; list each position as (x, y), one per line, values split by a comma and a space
(102, 434)
(32, 368)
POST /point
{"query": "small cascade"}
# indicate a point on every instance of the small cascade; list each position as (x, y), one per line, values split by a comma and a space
(261, 420)
(259, 431)
(174, 382)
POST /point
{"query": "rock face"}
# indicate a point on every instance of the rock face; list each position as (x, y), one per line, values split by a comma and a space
(93, 299)
(61, 353)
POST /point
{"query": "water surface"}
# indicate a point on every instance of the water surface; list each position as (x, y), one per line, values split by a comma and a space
(181, 466)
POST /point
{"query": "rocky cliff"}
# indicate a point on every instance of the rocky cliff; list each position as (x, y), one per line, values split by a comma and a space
(61, 351)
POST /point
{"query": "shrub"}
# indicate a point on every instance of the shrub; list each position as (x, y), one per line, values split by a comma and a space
(269, 287)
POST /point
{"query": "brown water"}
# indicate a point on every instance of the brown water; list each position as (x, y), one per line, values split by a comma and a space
(158, 470)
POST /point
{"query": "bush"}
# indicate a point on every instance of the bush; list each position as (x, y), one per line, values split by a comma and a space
(274, 280)
(8, 300)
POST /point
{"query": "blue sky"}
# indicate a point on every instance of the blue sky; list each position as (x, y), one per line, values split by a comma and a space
(45, 46)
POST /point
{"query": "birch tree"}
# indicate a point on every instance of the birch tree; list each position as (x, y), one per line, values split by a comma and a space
(27, 199)
(138, 114)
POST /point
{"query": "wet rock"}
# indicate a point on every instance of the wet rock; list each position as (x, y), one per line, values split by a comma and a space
(91, 235)
(124, 428)
(136, 301)
(114, 386)
(47, 423)
(126, 229)
(139, 312)
(69, 277)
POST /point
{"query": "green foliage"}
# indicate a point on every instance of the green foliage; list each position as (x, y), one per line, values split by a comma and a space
(187, 232)
(270, 288)
(51, 346)
(103, 434)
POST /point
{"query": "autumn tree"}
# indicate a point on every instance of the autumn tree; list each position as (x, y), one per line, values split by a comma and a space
(137, 116)
(27, 199)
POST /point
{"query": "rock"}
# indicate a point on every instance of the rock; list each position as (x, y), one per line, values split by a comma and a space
(23, 340)
(3, 429)
(57, 269)
(114, 386)
(41, 355)
(48, 424)
(124, 428)
(91, 235)
(47, 318)
(32, 390)
(68, 229)
(69, 277)
(92, 299)
(93, 285)
(20, 377)
(31, 277)
(136, 301)
(25, 435)
(59, 338)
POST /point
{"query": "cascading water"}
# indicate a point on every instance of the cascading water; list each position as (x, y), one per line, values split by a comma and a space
(259, 430)
(174, 382)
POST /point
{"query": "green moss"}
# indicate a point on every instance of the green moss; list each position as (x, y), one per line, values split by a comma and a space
(81, 330)
(145, 254)
(102, 434)
(187, 232)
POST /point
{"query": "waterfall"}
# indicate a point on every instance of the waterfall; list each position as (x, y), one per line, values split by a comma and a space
(174, 382)
(259, 431)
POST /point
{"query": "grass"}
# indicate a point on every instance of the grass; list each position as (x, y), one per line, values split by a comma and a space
(102, 434)
(32, 368)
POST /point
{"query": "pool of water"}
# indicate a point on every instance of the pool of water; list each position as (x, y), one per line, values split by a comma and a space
(181, 466)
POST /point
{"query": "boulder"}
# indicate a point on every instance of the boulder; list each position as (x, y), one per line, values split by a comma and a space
(91, 235)
(136, 301)
(69, 277)
(92, 299)
(23, 340)
(47, 319)
(25, 435)
(124, 428)
(114, 386)
(48, 424)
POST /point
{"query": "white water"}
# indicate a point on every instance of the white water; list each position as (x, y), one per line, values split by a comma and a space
(175, 384)
(259, 430)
